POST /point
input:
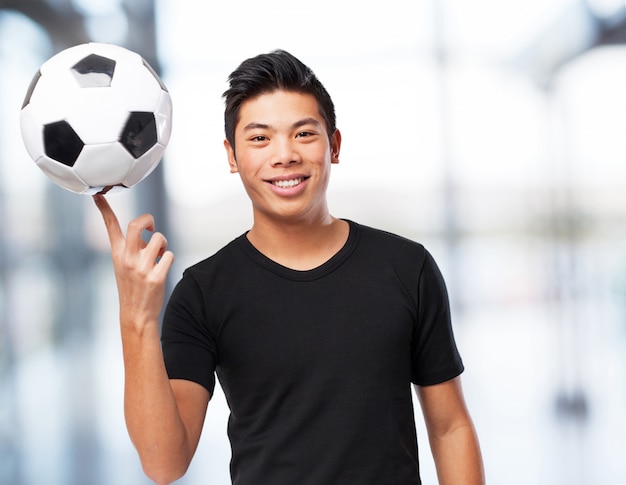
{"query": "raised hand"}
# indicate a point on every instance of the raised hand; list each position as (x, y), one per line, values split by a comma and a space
(141, 267)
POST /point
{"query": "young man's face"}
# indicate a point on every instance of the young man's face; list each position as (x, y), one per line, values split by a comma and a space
(283, 155)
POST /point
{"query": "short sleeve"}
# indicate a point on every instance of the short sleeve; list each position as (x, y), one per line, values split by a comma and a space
(435, 357)
(188, 347)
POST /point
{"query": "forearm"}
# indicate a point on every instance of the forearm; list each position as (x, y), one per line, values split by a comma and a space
(457, 457)
(154, 423)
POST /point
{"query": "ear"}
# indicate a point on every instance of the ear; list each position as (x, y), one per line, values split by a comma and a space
(335, 146)
(232, 161)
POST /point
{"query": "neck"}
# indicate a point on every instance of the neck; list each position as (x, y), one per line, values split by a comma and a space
(300, 245)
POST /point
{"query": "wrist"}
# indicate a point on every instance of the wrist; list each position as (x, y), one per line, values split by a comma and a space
(139, 326)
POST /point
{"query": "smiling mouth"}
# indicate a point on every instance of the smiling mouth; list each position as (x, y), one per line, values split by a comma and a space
(287, 184)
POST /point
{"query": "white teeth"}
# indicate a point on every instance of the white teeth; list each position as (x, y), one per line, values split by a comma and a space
(287, 183)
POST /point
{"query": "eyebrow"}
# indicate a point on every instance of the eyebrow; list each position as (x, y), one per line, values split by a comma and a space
(306, 121)
(262, 126)
(256, 126)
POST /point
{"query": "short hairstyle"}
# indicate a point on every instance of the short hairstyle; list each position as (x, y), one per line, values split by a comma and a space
(265, 73)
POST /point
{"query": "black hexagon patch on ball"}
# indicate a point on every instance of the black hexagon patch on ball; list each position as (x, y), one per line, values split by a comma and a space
(94, 71)
(61, 143)
(139, 133)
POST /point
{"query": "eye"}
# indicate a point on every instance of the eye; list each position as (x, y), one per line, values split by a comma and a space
(258, 138)
(304, 134)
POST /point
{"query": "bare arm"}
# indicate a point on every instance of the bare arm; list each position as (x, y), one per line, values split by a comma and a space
(451, 433)
(164, 418)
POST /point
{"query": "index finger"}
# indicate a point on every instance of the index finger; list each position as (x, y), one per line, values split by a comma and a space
(110, 219)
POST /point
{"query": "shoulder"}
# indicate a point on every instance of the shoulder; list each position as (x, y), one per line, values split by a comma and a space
(382, 235)
(213, 272)
(405, 257)
(226, 256)
(386, 244)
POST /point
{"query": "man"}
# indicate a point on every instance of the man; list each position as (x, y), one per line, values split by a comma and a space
(315, 326)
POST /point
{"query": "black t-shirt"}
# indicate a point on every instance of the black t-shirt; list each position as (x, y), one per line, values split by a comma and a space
(317, 365)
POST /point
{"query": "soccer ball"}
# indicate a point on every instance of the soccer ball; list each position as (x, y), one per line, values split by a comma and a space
(96, 118)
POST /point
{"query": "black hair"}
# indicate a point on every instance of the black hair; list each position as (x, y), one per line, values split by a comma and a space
(266, 73)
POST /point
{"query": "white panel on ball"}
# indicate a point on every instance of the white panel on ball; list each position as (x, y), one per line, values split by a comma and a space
(100, 116)
(62, 175)
(32, 129)
(101, 165)
(163, 117)
(136, 86)
(143, 166)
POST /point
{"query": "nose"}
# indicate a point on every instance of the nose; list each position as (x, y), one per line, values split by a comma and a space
(286, 152)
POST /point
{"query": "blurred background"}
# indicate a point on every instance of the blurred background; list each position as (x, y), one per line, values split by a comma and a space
(492, 131)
